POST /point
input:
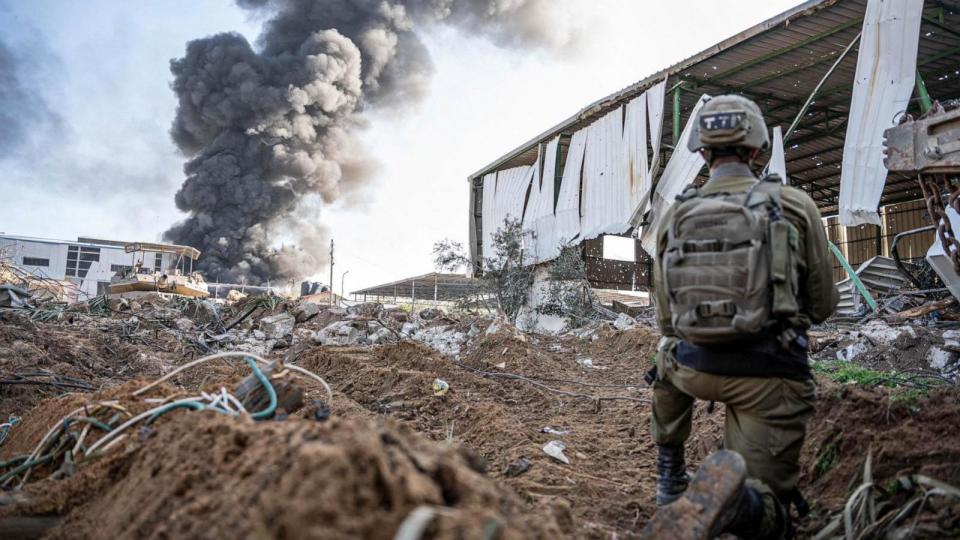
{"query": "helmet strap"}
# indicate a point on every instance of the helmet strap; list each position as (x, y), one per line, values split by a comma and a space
(744, 154)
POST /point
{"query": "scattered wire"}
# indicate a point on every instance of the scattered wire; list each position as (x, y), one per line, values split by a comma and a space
(5, 427)
(514, 376)
(59, 381)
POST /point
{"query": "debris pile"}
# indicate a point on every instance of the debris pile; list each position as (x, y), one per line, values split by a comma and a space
(443, 423)
(925, 351)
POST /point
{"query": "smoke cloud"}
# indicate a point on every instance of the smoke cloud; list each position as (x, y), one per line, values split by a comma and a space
(22, 110)
(271, 133)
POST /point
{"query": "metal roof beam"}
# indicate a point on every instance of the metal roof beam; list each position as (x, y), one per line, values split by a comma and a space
(787, 49)
(930, 20)
(817, 166)
(832, 133)
(833, 172)
(938, 56)
(813, 154)
(825, 59)
(774, 76)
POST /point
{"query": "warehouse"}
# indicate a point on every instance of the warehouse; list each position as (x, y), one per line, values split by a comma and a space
(88, 263)
(611, 168)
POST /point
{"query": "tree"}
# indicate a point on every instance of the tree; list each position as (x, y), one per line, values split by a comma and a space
(503, 275)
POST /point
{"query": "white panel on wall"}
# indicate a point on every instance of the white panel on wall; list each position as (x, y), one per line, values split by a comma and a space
(681, 170)
(606, 184)
(568, 204)
(778, 160)
(539, 217)
(655, 101)
(886, 74)
(635, 151)
(488, 212)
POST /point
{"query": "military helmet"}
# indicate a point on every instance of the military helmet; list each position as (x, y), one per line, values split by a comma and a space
(729, 121)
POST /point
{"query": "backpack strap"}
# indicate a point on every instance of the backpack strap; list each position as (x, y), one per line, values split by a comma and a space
(689, 192)
(771, 184)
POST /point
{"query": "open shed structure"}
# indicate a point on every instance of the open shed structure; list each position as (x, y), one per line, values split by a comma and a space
(799, 66)
(434, 287)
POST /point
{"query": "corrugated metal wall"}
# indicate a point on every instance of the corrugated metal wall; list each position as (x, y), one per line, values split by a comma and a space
(861, 243)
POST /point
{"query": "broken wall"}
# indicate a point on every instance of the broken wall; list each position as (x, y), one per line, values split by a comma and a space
(593, 182)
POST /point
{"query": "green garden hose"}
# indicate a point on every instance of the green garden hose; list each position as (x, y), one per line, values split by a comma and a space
(25, 466)
(271, 392)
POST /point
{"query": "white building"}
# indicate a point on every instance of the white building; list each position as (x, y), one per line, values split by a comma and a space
(89, 263)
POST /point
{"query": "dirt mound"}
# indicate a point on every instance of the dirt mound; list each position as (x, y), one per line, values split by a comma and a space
(631, 345)
(96, 357)
(211, 477)
(35, 424)
(609, 482)
(907, 434)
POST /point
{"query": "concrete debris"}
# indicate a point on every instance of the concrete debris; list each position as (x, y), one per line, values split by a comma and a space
(941, 358)
(430, 314)
(444, 339)
(306, 311)
(517, 467)
(339, 333)
(370, 310)
(882, 346)
(277, 326)
(851, 352)
(588, 363)
(624, 322)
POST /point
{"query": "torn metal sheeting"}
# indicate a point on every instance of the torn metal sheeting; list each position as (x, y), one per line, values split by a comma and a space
(884, 81)
(13, 296)
(778, 164)
(940, 260)
(681, 170)
(879, 275)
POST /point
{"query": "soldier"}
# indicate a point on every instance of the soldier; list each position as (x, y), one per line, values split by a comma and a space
(742, 271)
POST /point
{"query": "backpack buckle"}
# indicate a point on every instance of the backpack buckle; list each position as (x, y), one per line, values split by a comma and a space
(716, 308)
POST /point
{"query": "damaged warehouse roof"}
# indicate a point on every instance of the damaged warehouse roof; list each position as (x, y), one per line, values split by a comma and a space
(432, 286)
(798, 66)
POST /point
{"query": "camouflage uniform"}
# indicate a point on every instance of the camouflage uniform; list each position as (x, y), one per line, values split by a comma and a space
(766, 415)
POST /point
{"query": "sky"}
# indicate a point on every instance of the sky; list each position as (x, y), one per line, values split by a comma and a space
(98, 160)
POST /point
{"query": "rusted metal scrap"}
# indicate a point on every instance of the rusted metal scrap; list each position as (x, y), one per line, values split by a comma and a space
(930, 148)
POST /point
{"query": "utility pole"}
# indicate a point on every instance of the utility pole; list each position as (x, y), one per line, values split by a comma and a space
(331, 272)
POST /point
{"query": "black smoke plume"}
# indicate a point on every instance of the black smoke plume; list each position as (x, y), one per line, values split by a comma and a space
(270, 132)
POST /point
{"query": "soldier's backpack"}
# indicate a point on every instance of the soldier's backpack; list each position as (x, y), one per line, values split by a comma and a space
(729, 264)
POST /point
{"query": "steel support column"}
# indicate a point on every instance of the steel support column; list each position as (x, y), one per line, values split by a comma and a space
(676, 116)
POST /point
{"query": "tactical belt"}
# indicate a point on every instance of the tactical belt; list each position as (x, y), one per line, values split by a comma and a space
(765, 357)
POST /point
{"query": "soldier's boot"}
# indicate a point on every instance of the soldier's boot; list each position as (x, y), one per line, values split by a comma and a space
(719, 501)
(672, 478)
(760, 515)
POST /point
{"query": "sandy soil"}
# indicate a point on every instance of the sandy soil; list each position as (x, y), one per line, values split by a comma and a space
(392, 445)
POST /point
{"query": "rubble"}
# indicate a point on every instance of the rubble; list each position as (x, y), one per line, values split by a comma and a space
(277, 326)
(496, 389)
(13, 296)
(306, 311)
(339, 333)
(624, 322)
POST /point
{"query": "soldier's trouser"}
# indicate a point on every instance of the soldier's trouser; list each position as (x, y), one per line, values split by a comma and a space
(765, 421)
